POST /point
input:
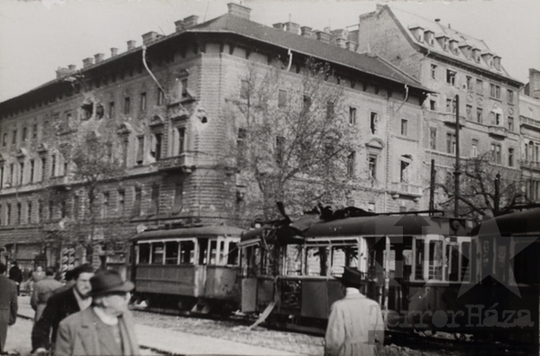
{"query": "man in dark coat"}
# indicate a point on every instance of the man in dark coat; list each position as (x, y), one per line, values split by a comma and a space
(43, 290)
(355, 326)
(61, 305)
(8, 305)
(15, 274)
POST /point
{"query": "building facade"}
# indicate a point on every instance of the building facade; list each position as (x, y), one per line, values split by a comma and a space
(529, 120)
(451, 64)
(163, 104)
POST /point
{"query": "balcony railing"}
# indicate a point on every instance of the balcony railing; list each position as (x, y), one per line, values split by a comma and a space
(407, 189)
(529, 164)
(450, 119)
(498, 131)
(184, 162)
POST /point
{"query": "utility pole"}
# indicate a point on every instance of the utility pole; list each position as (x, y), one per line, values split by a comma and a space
(457, 171)
(432, 188)
(497, 197)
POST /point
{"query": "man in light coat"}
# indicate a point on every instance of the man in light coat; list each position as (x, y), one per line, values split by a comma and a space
(355, 326)
(43, 290)
(8, 305)
(106, 328)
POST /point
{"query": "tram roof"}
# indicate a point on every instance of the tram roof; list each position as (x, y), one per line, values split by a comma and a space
(523, 223)
(203, 231)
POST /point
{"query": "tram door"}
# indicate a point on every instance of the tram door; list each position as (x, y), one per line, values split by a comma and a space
(389, 273)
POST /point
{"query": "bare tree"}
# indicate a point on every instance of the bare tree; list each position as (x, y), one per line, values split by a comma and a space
(487, 190)
(294, 141)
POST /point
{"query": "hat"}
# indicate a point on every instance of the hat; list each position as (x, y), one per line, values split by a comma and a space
(351, 277)
(109, 282)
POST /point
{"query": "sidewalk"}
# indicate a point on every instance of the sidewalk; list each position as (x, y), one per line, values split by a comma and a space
(178, 343)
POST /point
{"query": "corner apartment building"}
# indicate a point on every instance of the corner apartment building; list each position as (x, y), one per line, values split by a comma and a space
(165, 101)
(450, 64)
(529, 121)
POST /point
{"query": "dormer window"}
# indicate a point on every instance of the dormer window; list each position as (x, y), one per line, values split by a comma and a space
(466, 49)
(443, 42)
(454, 46)
(429, 37)
(488, 57)
(476, 55)
(418, 33)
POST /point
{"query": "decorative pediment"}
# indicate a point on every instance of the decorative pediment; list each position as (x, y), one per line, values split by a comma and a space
(124, 129)
(21, 153)
(375, 144)
(178, 112)
(42, 148)
(156, 120)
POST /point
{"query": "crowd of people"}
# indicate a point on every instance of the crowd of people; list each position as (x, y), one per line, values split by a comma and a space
(89, 315)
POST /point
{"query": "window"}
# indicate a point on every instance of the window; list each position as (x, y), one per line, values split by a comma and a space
(157, 253)
(282, 98)
(468, 112)
(40, 211)
(156, 146)
(404, 171)
(14, 138)
(8, 217)
(510, 96)
(187, 252)
(432, 138)
(280, 147)
(511, 157)
(329, 110)
(495, 118)
(479, 86)
(474, 148)
(373, 122)
(404, 124)
(24, 134)
(479, 115)
(137, 202)
(21, 173)
(450, 77)
(352, 115)
(143, 102)
(140, 149)
(63, 209)
(171, 252)
(495, 91)
(372, 165)
(433, 71)
(34, 132)
(53, 166)
(351, 159)
(450, 107)
(19, 208)
(11, 174)
(5, 139)
(511, 124)
(111, 110)
(105, 206)
(451, 142)
(121, 202)
(496, 152)
(184, 88)
(178, 198)
(181, 132)
(469, 83)
(29, 212)
(160, 97)
(51, 208)
(154, 200)
(432, 105)
(127, 104)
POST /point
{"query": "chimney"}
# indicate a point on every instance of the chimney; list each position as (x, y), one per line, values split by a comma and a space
(292, 27)
(437, 20)
(149, 37)
(323, 36)
(114, 51)
(72, 67)
(179, 25)
(87, 62)
(131, 44)
(99, 57)
(62, 72)
(534, 83)
(191, 21)
(339, 37)
(351, 46)
(306, 31)
(279, 25)
(239, 10)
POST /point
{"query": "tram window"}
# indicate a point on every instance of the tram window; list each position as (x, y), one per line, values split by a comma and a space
(293, 260)
(222, 252)
(502, 263)
(452, 262)
(171, 253)
(144, 254)
(435, 260)
(187, 252)
(203, 247)
(213, 252)
(316, 261)
(419, 268)
(232, 257)
(157, 253)
(486, 258)
(343, 256)
(465, 258)
(526, 263)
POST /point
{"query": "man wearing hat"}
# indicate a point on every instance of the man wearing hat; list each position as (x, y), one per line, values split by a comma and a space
(43, 290)
(106, 328)
(61, 305)
(355, 325)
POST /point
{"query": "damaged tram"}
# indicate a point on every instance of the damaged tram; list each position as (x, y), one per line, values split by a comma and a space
(411, 265)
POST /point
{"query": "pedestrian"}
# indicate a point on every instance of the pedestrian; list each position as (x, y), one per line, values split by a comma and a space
(104, 329)
(8, 305)
(70, 282)
(61, 305)
(15, 274)
(38, 275)
(355, 326)
(43, 290)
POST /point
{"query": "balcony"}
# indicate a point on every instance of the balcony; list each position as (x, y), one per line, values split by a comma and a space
(184, 162)
(405, 189)
(498, 131)
(61, 182)
(529, 164)
(530, 124)
(450, 119)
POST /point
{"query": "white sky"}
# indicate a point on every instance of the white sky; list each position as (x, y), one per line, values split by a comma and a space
(37, 37)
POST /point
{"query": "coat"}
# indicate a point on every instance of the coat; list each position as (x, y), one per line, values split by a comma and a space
(8, 307)
(43, 290)
(354, 323)
(15, 274)
(59, 306)
(77, 335)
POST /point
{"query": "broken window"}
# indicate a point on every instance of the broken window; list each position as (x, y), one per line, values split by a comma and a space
(404, 171)
(156, 146)
(432, 105)
(450, 77)
(140, 150)
(352, 115)
(433, 71)
(121, 202)
(372, 165)
(184, 88)
(100, 111)
(181, 134)
(373, 123)
(111, 110)
(87, 111)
